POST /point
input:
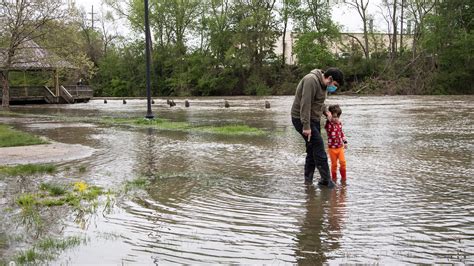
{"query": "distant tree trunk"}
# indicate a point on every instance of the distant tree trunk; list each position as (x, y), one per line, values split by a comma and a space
(361, 7)
(394, 33)
(401, 25)
(284, 43)
(5, 89)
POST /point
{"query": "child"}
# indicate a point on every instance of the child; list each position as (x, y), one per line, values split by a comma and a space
(336, 143)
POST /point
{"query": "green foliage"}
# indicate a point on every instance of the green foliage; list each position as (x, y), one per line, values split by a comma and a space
(10, 137)
(256, 86)
(449, 41)
(312, 54)
(121, 72)
(27, 169)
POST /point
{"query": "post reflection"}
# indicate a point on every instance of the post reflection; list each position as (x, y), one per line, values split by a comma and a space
(149, 160)
(322, 227)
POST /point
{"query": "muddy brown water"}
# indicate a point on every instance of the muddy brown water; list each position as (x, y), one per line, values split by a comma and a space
(217, 199)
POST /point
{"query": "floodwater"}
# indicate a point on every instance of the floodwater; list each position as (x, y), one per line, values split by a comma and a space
(218, 199)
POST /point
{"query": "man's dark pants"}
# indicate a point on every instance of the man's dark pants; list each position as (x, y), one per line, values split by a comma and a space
(316, 156)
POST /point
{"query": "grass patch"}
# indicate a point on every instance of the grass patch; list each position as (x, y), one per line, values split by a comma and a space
(10, 114)
(10, 137)
(82, 169)
(27, 169)
(53, 189)
(164, 124)
(140, 182)
(3, 240)
(56, 195)
(156, 123)
(233, 130)
(47, 249)
(79, 196)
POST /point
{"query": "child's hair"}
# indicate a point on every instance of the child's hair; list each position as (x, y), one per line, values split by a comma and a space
(335, 110)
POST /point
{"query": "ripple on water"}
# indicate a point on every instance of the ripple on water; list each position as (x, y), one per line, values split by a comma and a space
(214, 199)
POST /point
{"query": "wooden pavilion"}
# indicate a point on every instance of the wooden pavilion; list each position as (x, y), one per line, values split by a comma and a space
(31, 57)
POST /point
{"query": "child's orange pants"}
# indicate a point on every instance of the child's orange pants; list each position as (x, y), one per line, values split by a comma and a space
(336, 154)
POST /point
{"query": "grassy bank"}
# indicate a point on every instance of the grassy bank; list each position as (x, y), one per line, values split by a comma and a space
(10, 137)
(27, 169)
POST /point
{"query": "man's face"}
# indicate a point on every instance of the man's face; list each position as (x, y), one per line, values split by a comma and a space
(332, 82)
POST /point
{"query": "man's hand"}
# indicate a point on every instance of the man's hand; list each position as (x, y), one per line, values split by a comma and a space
(307, 133)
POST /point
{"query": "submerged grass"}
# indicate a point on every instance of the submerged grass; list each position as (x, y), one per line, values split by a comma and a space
(233, 130)
(139, 182)
(27, 169)
(47, 249)
(164, 124)
(56, 195)
(10, 137)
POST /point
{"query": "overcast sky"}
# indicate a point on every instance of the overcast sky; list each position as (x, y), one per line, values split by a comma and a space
(343, 15)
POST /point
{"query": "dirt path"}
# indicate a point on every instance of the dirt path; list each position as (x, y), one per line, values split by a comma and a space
(44, 153)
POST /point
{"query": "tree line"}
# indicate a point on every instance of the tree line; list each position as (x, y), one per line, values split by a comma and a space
(227, 47)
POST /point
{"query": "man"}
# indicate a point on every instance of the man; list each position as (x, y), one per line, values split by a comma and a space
(306, 112)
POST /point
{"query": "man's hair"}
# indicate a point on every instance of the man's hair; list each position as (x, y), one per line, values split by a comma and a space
(336, 75)
(335, 110)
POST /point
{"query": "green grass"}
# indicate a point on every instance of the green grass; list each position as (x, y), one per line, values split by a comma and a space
(164, 124)
(156, 123)
(82, 169)
(139, 182)
(27, 169)
(10, 137)
(53, 189)
(46, 249)
(233, 130)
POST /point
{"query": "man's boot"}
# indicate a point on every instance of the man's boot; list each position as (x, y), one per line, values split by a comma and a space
(325, 178)
(308, 180)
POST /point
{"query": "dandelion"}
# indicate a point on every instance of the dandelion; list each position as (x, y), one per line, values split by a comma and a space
(80, 186)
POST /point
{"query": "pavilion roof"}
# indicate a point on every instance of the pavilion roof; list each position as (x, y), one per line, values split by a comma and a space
(31, 56)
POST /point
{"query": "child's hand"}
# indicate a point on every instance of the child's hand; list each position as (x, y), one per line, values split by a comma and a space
(345, 146)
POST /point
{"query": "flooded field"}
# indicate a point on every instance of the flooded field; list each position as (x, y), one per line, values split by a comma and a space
(211, 198)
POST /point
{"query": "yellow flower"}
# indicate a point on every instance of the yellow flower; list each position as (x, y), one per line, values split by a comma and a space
(80, 186)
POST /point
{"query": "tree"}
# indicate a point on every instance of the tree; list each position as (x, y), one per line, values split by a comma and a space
(448, 40)
(287, 10)
(21, 22)
(255, 31)
(419, 11)
(219, 29)
(316, 32)
(361, 7)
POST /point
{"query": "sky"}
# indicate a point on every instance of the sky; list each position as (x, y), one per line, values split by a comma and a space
(348, 18)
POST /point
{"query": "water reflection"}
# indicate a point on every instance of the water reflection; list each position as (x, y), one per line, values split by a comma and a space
(322, 227)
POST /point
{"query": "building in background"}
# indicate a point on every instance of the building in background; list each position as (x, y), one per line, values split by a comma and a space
(349, 44)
